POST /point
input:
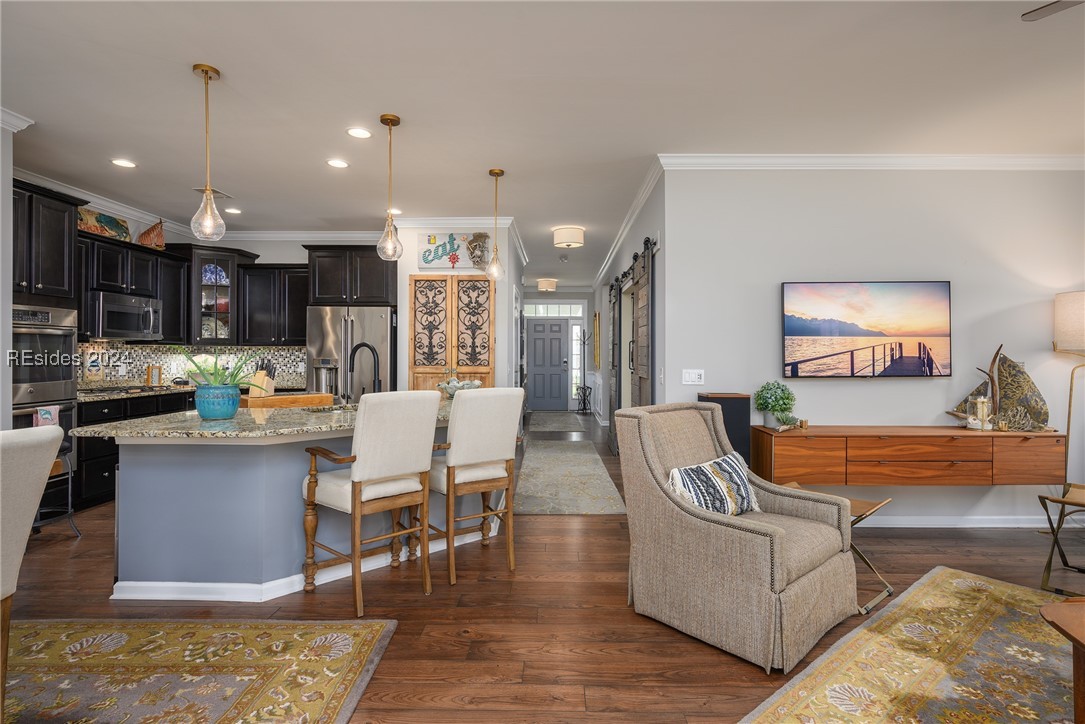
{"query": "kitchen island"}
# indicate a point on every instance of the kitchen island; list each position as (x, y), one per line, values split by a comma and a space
(212, 510)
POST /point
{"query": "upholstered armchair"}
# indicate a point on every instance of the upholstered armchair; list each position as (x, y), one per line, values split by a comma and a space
(764, 586)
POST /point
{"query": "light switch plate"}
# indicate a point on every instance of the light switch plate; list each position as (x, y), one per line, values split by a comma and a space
(692, 377)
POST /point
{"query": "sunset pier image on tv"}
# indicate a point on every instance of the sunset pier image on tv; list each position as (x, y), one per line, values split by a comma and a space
(866, 329)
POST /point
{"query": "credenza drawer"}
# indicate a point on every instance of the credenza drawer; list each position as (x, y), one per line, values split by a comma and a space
(1029, 460)
(810, 460)
(948, 448)
(919, 473)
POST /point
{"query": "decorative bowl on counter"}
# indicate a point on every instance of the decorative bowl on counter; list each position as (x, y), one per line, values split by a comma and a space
(453, 385)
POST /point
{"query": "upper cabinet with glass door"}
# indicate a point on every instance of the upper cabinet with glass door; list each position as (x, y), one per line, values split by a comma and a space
(214, 291)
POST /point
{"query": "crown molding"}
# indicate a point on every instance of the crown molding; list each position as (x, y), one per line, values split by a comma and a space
(654, 174)
(101, 203)
(516, 241)
(335, 237)
(12, 121)
(452, 222)
(891, 162)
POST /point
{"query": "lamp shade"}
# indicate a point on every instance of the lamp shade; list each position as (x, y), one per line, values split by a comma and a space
(548, 285)
(1070, 322)
(568, 237)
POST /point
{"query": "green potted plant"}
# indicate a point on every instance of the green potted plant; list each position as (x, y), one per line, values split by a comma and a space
(218, 388)
(776, 400)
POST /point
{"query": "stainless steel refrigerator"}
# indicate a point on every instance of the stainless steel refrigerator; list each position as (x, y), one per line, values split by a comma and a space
(333, 332)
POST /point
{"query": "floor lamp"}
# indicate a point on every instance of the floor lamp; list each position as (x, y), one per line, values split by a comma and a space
(1069, 339)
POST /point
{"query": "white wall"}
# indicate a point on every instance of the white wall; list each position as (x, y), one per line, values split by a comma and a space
(1006, 240)
(504, 327)
(649, 221)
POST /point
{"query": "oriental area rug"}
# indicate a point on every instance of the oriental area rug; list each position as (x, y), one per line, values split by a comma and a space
(954, 647)
(558, 477)
(191, 671)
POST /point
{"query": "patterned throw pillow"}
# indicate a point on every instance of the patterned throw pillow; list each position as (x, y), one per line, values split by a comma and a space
(721, 485)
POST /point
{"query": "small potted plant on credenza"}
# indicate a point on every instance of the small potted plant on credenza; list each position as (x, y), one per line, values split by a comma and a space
(776, 401)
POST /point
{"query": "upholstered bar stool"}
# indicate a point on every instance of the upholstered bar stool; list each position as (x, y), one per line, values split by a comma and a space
(480, 458)
(389, 471)
(26, 457)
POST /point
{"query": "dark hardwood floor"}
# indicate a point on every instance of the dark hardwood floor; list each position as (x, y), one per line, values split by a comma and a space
(552, 642)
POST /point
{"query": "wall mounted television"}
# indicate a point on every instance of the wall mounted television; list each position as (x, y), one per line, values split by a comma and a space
(866, 329)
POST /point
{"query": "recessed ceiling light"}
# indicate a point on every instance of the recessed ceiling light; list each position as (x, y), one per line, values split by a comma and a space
(359, 132)
(123, 163)
(337, 163)
(232, 210)
(394, 212)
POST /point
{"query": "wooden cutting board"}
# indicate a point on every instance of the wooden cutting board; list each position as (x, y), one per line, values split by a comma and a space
(301, 399)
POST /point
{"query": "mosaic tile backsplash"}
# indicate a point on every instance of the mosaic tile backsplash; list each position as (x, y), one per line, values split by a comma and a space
(127, 363)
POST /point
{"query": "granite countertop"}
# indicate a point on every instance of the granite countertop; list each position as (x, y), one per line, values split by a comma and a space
(248, 423)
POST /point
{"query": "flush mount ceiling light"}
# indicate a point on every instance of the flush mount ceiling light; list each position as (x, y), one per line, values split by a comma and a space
(548, 285)
(568, 237)
(337, 163)
(494, 270)
(232, 210)
(359, 132)
(207, 224)
(124, 163)
(389, 247)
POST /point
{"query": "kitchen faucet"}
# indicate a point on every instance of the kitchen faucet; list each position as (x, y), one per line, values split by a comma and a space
(376, 368)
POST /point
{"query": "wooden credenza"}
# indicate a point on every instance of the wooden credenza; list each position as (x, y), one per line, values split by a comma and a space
(906, 455)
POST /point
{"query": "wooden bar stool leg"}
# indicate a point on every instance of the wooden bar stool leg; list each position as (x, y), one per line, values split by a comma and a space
(510, 552)
(486, 526)
(450, 525)
(412, 538)
(356, 556)
(423, 534)
(395, 545)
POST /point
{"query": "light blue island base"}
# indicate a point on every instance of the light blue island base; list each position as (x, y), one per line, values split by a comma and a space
(212, 511)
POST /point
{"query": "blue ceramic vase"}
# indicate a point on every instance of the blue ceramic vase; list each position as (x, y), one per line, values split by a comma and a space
(217, 402)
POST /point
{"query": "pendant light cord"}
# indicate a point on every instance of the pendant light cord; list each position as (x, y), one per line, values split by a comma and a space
(207, 128)
(496, 179)
(389, 208)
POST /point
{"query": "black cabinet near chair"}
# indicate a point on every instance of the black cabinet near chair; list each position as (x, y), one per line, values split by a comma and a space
(43, 245)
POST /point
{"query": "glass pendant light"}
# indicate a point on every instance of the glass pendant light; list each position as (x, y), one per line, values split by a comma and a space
(207, 224)
(389, 247)
(494, 270)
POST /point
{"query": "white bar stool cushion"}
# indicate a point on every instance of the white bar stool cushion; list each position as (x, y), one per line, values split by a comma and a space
(334, 489)
(438, 473)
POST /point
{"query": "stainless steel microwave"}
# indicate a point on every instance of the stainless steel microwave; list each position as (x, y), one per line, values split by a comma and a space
(122, 316)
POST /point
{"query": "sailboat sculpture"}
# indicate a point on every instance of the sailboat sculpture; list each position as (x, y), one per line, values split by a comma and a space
(1015, 399)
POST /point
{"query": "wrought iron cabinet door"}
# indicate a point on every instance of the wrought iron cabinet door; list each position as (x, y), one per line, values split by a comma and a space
(451, 328)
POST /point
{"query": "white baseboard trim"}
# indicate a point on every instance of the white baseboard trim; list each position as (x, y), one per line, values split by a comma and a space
(1039, 522)
(601, 421)
(258, 592)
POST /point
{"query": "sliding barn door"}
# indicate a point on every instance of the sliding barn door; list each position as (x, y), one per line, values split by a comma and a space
(641, 392)
(451, 328)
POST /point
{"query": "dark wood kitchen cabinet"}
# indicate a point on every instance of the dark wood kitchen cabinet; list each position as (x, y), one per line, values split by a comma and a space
(213, 291)
(44, 253)
(173, 292)
(351, 276)
(272, 307)
(122, 268)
